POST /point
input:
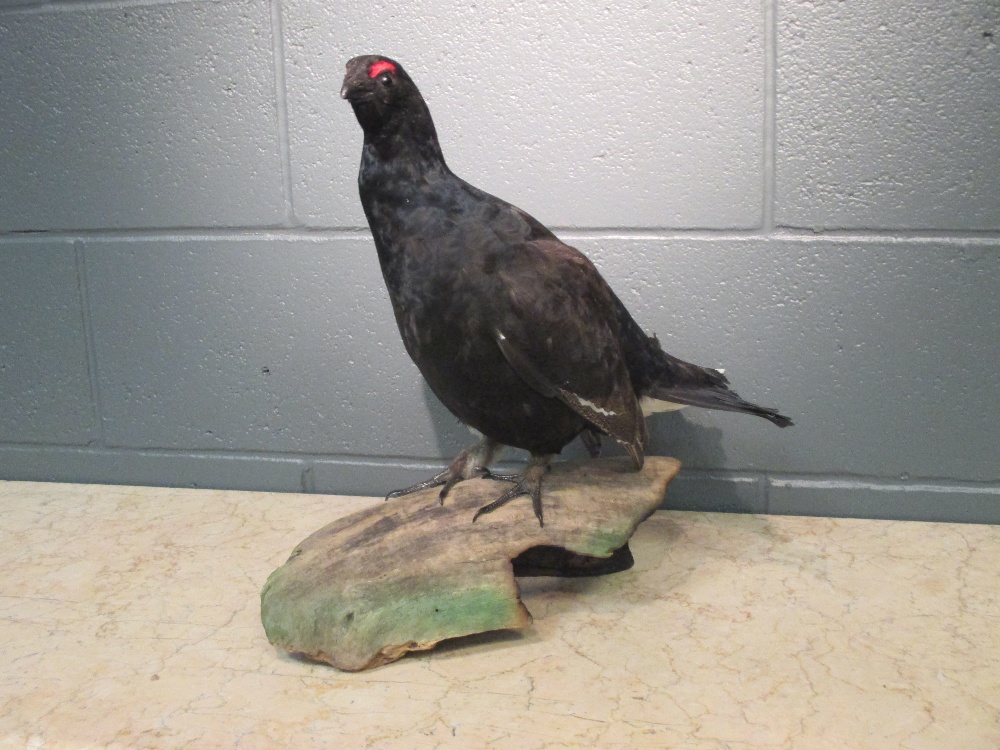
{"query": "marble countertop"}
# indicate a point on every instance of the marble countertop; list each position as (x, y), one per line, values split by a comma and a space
(129, 618)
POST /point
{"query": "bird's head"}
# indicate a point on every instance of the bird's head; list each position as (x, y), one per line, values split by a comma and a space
(380, 91)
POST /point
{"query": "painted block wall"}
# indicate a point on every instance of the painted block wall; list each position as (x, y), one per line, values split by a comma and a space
(806, 194)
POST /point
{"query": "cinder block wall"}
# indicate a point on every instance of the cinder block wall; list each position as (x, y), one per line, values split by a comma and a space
(807, 194)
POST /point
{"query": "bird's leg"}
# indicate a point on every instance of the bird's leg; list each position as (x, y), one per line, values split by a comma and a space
(469, 463)
(529, 483)
(591, 440)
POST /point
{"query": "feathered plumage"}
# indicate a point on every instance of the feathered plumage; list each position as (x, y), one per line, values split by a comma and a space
(516, 332)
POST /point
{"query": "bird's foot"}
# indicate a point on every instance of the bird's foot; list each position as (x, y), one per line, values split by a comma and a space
(466, 465)
(529, 483)
(487, 474)
(435, 481)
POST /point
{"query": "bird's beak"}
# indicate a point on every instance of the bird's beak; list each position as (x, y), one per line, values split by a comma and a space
(349, 88)
(356, 84)
(354, 90)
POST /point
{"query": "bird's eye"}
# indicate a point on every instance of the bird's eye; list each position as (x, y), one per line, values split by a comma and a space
(385, 79)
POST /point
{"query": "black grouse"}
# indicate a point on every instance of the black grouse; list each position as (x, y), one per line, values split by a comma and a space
(517, 333)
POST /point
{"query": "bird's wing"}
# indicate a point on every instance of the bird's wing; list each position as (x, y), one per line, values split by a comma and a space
(555, 325)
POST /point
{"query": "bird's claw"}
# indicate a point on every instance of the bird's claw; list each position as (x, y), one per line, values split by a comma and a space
(529, 483)
(487, 474)
(435, 481)
(481, 472)
(516, 491)
(472, 464)
(446, 480)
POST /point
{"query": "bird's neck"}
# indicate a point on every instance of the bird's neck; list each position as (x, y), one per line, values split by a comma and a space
(407, 137)
(401, 158)
(389, 160)
(398, 156)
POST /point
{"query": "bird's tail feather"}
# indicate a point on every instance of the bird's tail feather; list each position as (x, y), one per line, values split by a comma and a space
(717, 397)
(658, 375)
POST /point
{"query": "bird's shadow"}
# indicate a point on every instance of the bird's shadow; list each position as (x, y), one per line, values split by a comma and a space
(704, 483)
(695, 445)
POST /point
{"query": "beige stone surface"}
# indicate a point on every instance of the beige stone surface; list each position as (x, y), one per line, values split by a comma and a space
(129, 618)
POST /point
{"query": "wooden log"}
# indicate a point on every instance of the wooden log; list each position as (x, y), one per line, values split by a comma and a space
(408, 573)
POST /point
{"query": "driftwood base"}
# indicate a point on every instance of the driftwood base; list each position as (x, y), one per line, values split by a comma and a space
(408, 573)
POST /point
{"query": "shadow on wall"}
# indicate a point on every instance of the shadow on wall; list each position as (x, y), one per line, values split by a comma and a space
(450, 435)
(672, 434)
(701, 485)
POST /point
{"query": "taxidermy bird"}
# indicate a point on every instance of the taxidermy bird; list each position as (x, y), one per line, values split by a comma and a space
(516, 332)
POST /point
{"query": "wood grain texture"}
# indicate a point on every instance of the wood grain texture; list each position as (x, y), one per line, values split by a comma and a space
(411, 572)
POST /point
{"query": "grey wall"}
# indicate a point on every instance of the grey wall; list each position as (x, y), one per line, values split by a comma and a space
(807, 194)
